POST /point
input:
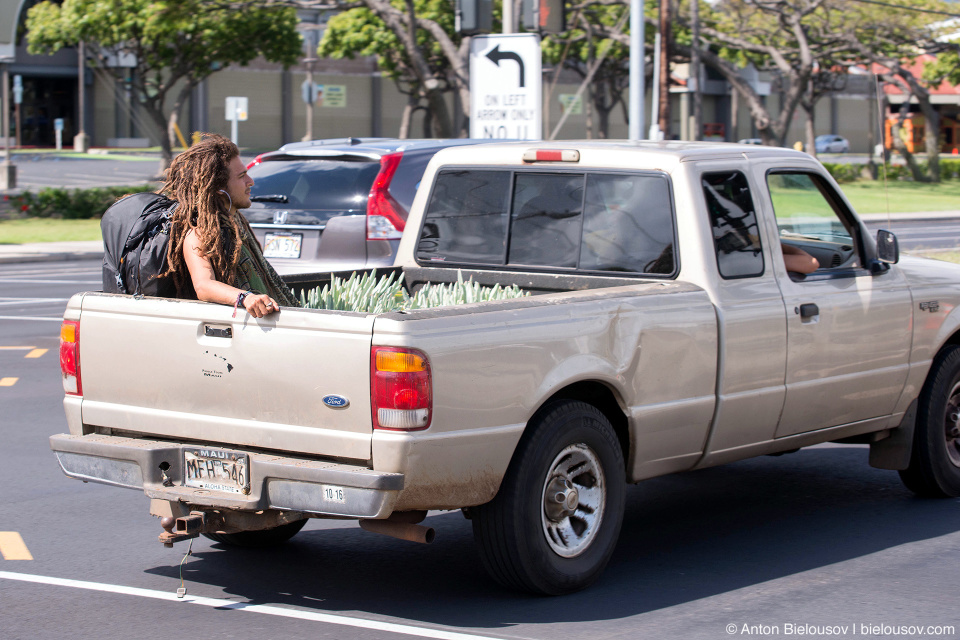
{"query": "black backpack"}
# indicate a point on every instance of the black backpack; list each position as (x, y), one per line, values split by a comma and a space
(136, 232)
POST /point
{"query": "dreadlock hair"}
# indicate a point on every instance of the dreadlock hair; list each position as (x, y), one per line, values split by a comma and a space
(194, 180)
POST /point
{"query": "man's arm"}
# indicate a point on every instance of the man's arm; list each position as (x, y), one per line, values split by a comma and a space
(798, 260)
(209, 289)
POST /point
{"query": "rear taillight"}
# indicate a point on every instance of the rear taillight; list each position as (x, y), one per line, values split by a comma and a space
(255, 162)
(70, 357)
(400, 388)
(384, 218)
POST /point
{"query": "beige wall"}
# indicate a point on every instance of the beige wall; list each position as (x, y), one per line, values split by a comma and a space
(262, 84)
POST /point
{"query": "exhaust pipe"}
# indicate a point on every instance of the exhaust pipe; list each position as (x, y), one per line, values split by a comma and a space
(400, 530)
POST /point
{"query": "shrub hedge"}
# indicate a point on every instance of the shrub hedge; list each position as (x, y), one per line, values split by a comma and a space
(949, 170)
(70, 203)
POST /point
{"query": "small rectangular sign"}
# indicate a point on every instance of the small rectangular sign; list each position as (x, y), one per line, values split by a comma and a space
(332, 95)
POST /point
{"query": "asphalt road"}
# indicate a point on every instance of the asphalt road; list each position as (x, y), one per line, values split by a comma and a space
(919, 234)
(814, 543)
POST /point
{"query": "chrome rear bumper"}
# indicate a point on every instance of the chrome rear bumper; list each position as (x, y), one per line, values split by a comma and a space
(276, 482)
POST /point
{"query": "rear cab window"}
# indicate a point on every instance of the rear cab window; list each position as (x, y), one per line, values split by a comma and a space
(733, 218)
(575, 221)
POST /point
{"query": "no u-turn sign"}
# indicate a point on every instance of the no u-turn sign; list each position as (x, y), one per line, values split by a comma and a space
(505, 87)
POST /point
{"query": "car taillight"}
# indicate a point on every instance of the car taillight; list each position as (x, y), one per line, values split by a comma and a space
(70, 357)
(255, 162)
(400, 388)
(384, 218)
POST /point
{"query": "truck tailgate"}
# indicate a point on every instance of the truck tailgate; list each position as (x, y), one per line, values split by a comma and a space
(188, 370)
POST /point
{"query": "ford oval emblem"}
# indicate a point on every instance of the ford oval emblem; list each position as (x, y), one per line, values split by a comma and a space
(335, 402)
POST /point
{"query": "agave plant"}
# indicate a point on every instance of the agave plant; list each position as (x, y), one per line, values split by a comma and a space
(368, 294)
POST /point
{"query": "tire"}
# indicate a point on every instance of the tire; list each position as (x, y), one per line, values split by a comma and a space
(261, 538)
(531, 542)
(934, 470)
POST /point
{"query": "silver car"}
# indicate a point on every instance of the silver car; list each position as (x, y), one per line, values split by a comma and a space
(831, 144)
(337, 205)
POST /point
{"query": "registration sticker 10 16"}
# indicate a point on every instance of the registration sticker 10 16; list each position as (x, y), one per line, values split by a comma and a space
(217, 470)
(333, 494)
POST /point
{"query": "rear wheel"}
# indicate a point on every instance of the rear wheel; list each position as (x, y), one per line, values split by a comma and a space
(260, 538)
(934, 470)
(554, 524)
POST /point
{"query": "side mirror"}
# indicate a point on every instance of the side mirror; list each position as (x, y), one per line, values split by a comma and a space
(888, 249)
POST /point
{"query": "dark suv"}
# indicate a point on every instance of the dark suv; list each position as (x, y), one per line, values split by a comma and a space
(336, 205)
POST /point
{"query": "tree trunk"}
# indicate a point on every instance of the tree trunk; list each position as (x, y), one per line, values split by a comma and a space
(810, 131)
(406, 118)
(931, 137)
(155, 113)
(441, 124)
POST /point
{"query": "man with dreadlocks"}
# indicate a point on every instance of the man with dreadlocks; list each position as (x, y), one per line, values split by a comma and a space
(213, 253)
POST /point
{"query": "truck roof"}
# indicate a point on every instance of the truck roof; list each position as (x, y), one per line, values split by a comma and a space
(632, 154)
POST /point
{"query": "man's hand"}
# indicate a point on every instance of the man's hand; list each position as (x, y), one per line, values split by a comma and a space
(259, 305)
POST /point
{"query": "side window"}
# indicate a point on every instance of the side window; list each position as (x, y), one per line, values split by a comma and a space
(808, 220)
(627, 224)
(547, 215)
(466, 219)
(736, 235)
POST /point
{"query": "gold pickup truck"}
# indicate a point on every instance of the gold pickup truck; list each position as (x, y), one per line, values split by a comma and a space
(664, 333)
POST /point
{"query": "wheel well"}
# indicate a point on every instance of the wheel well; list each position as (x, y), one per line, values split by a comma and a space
(600, 396)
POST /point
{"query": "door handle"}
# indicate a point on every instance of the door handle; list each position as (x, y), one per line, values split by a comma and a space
(807, 310)
(217, 332)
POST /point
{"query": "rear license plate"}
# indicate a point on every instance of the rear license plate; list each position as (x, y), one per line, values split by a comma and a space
(282, 245)
(217, 470)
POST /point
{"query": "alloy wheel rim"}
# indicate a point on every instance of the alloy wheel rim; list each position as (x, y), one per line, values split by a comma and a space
(951, 425)
(573, 500)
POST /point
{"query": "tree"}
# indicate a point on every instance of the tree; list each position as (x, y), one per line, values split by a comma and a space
(784, 36)
(415, 43)
(361, 31)
(175, 43)
(890, 39)
(595, 42)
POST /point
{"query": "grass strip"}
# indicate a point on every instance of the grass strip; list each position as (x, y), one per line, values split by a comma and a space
(23, 230)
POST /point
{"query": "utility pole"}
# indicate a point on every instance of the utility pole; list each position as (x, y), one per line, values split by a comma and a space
(695, 71)
(8, 171)
(81, 141)
(664, 106)
(637, 79)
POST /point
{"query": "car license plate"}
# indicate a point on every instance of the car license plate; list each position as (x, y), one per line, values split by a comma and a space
(282, 245)
(217, 470)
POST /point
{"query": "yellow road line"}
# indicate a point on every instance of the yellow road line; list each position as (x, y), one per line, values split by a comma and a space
(8, 382)
(36, 353)
(12, 546)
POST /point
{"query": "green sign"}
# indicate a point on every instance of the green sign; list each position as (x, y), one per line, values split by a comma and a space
(570, 102)
(332, 95)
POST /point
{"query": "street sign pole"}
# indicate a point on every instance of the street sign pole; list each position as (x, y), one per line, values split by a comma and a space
(637, 79)
(17, 99)
(235, 109)
(309, 97)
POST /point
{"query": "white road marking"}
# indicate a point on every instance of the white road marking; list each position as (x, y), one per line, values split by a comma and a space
(15, 301)
(313, 616)
(26, 281)
(36, 318)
